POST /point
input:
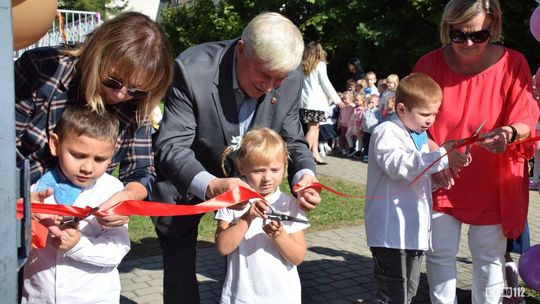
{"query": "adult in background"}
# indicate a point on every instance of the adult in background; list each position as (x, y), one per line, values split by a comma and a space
(317, 92)
(124, 67)
(480, 81)
(355, 67)
(220, 90)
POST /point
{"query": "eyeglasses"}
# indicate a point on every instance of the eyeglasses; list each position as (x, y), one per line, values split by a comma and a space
(476, 37)
(116, 84)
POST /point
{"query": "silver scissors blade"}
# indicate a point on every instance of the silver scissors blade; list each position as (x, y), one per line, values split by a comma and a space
(278, 216)
(476, 131)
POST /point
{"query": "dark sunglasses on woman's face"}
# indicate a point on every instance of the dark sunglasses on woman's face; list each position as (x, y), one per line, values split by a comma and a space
(116, 84)
(476, 37)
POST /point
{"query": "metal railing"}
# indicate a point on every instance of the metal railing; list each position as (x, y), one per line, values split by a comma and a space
(69, 27)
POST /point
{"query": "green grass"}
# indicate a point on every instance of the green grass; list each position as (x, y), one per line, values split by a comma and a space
(333, 212)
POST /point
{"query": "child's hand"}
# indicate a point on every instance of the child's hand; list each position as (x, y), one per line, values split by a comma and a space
(273, 229)
(72, 237)
(257, 209)
(456, 159)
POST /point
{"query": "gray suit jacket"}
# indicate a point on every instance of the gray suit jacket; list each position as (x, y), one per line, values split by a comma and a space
(200, 118)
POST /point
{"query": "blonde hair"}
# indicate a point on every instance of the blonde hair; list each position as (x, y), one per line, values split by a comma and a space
(392, 78)
(460, 11)
(259, 146)
(275, 41)
(418, 89)
(313, 54)
(132, 45)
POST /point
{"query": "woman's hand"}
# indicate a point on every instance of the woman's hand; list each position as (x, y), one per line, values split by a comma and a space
(114, 220)
(495, 141)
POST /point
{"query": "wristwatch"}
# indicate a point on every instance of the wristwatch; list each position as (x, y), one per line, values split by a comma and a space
(514, 134)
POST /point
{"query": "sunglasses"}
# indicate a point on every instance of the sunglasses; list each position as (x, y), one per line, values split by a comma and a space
(116, 84)
(476, 37)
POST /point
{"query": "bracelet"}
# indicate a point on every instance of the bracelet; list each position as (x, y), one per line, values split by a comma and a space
(514, 134)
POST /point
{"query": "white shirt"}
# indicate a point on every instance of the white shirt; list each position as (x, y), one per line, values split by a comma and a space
(396, 217)
(87, 273)
(317, 90)
(256, 271)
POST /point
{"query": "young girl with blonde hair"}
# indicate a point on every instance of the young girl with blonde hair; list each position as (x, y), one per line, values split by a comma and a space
(253, 243)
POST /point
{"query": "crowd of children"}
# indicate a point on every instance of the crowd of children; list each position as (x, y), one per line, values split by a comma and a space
(367, 103)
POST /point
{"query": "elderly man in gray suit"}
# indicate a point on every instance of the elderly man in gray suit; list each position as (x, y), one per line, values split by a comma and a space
(219, 91)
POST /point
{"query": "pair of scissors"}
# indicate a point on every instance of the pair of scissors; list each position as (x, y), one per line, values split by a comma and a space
(73, 221)
(273, 214)
(476, 131)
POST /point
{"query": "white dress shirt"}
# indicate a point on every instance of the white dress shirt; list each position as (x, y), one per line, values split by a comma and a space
(87, 273)
(395, 216)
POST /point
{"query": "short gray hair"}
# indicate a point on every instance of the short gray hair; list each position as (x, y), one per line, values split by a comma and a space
(275, 41)
(460, 11)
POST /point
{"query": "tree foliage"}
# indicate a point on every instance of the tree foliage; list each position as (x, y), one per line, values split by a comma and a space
(104, 7)
(388, 36)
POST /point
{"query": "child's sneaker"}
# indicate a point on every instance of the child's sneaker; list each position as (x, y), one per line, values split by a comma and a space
(533, 185)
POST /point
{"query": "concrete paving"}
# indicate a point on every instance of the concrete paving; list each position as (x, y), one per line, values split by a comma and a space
(337, 268)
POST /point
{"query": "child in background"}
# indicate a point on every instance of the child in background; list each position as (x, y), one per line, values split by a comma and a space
(398, 216)
(328, 132)
(389, 109)
(344, 116)
(381, 86)
(81, 266)
(262, 255)
(370, 119)
(392, 82)
(361, 84)
(351, 85)
(354, 128)
(371, 88)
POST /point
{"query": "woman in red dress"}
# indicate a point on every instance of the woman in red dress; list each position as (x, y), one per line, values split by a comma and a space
(481, 81)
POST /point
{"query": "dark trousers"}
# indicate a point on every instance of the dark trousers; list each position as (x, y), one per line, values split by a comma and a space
(397, 274)
(179, 261)
(365, 140)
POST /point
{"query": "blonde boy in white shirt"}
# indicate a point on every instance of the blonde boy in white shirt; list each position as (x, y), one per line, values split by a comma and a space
(397, 217)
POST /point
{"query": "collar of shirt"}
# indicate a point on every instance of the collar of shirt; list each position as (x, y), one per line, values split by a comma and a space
(244, 104)
(65, 192)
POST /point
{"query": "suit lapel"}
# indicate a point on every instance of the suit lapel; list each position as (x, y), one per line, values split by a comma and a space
(223, 96)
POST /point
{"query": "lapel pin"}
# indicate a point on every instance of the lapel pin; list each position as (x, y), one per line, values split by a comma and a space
(274, 100)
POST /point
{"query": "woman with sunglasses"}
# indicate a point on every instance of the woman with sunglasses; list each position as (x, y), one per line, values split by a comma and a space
(124, 67)
(483, 83)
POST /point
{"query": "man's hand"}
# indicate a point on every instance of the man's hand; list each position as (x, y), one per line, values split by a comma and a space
(218, 186)
(311, 197)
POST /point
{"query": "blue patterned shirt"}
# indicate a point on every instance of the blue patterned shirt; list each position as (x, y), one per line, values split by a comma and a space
(45, 83)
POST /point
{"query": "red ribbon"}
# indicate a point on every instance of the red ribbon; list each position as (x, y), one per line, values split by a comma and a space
(227, 199)
(133, 207)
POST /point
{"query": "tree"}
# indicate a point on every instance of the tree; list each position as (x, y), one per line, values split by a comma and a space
(388, 36)
(201, 21)
(106, 8)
